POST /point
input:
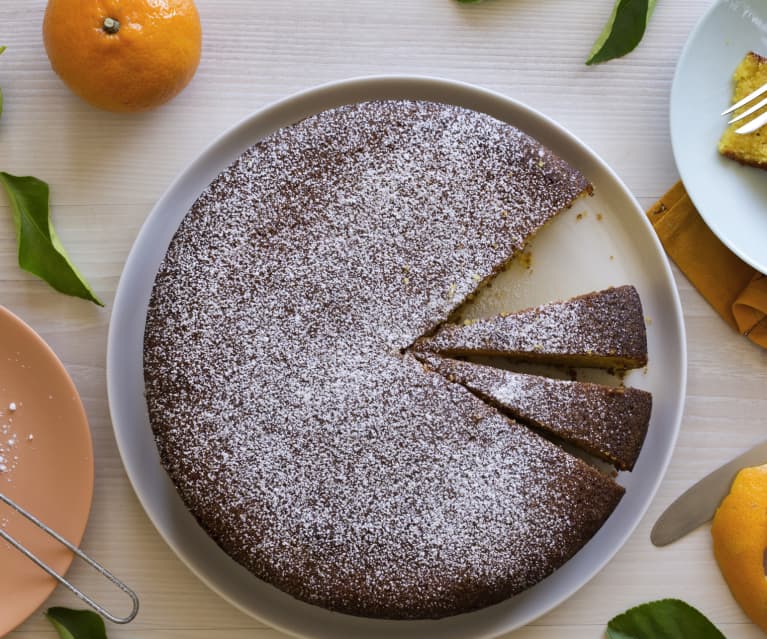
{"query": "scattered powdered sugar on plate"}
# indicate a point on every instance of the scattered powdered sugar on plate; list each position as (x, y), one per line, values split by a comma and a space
(746, 10)
(10, 440)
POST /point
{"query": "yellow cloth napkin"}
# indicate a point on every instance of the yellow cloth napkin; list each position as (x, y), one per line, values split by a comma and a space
(735, 290)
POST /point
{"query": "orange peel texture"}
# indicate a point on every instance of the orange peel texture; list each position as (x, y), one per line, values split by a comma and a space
(739, 533)
(123, 55)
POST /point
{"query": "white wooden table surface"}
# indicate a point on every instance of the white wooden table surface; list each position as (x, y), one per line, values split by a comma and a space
(107, 170)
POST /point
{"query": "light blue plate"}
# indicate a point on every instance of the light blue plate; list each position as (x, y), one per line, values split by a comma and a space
(731, 198)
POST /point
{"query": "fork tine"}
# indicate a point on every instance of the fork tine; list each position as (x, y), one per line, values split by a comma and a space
(752, 126)
(749, 111)
(762, 89)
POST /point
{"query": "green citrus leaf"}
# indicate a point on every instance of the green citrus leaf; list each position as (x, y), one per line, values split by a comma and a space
(664, 619)
(40, 250)
(76, 624)
(623, 31)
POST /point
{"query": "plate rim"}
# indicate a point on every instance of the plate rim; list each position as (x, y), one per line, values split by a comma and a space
(377, 85)
(7, 314)
(759, 264)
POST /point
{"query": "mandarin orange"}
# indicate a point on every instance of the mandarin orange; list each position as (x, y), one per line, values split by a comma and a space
(123, 55)
(739, 534)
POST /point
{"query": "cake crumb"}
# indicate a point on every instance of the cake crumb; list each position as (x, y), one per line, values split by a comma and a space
(600, 217)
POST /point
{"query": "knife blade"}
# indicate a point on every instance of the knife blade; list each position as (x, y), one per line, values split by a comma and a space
(698, 503)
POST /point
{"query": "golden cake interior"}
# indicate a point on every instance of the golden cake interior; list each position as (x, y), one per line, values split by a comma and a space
(750, 149)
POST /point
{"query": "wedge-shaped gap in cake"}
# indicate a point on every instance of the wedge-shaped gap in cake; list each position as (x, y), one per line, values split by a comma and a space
(605, 377)
(604, 329)
(609, 423)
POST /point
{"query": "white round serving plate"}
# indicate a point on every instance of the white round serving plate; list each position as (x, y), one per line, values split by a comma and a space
(602, 241)
(731, 198)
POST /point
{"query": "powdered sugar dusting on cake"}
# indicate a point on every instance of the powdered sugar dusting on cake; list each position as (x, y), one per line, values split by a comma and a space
(610, 422)
(309, 446)
(606, 326)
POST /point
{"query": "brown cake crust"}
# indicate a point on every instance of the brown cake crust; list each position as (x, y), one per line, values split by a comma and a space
(603, 329)
(303, 440)
(759, 164)
(608, 422)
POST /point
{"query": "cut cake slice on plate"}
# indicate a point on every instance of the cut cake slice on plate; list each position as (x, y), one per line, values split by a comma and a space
(748, 149)
(603, 329)
(605, 421)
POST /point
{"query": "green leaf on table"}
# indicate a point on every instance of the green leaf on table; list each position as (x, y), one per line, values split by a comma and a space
(1, 91)
(623, 31)
(664, 619)
(40, 250)
(76, 624)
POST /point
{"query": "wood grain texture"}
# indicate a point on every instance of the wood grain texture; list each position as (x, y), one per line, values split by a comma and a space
(107, 170)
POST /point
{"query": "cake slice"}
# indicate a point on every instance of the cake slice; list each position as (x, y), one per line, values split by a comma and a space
(604, 329)
(605, 421)
(748, 149)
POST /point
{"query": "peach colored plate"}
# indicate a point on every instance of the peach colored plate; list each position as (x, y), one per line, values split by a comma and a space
(46, 465)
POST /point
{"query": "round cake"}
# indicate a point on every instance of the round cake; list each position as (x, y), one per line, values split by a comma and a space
(288, 410)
